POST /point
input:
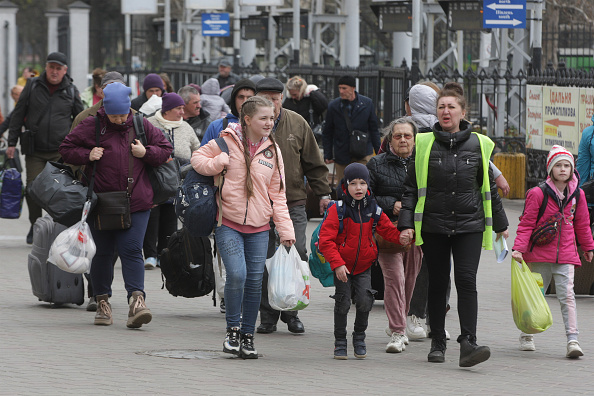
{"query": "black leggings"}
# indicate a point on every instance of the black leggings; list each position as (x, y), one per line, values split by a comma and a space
(466, 252)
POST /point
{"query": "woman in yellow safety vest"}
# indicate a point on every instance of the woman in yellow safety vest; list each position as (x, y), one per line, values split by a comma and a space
(451, 207)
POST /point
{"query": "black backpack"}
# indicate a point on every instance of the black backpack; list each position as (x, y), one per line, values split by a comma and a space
(186, 265)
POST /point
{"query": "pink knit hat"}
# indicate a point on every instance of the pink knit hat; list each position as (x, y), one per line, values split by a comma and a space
(557, 154)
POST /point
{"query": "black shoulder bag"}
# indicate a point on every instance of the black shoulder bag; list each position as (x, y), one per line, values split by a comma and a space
(165, 179)
(113, 208)
(357, 139)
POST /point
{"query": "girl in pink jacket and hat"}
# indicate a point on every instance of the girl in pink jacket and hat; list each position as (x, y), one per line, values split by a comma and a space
(558, 258)
(253, 192)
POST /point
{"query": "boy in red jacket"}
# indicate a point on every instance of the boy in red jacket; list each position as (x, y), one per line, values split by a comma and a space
(351, 253)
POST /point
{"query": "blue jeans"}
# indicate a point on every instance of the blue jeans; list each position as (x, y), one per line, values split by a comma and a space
(244, 256)
(129, 246)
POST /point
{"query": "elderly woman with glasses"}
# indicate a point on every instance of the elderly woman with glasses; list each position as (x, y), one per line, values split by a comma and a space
(387, 174)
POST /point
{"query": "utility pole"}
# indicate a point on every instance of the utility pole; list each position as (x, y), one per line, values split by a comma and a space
(296, 30)
(167, 31)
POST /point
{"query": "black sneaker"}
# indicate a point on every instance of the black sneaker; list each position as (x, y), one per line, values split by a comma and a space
(247, 350)
(231, 344)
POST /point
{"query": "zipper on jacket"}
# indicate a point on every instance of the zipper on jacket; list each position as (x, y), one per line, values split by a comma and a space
(359, 245)
(247, 202)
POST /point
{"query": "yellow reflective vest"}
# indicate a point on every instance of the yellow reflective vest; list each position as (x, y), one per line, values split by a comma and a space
(423, 145)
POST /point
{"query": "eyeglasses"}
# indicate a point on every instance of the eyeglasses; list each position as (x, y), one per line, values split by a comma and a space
(398, 137)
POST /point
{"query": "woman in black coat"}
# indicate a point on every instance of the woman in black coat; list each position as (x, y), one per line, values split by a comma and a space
(400, 269)
(454, 218)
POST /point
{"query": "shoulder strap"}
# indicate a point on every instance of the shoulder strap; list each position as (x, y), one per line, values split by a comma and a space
(139, 128)
(92, 182)
(225, 123)
(376, 216)
(71, 90)
(545, 200)
(221, 181)
(222, 144)
(340, 213)
(345, 112)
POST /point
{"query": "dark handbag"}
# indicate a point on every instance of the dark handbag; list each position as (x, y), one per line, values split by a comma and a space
(165, 179)
(59, 192)
(113, 207)
(27, 139)
(113, 211)
(357, 139)
(388, 247)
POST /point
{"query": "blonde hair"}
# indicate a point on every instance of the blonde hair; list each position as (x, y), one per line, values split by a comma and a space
(250, 108)
(298, 84)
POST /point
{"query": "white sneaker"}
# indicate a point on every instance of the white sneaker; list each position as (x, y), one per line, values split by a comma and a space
(429, 332)
(574, 350)
(527, 343)
(389, 333)
(150, 263)
(414, 328)
(396, 344)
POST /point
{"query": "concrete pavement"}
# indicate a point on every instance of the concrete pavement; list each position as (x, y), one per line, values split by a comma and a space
(58, 351)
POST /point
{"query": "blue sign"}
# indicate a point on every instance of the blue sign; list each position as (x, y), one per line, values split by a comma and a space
(509, 14)
(216, 24)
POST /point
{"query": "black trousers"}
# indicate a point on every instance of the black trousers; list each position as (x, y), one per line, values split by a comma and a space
(466, 252)
(360, 286)
(162, 223)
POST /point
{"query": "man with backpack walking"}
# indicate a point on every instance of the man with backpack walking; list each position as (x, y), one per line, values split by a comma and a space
(46, 108)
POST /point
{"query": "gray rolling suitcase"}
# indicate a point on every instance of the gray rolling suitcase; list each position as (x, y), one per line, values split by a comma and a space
(50, 283)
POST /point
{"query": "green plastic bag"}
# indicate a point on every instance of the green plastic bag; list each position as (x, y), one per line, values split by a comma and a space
(529, 307)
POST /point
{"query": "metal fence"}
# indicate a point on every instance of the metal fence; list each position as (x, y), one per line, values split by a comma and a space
(387, 86)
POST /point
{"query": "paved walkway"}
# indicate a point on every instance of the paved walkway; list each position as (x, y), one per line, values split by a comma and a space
(58, 351)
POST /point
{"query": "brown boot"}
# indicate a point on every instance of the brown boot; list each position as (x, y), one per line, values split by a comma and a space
(139, 314)
(103, 314)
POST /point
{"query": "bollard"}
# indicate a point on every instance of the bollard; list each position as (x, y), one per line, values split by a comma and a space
(513, 167)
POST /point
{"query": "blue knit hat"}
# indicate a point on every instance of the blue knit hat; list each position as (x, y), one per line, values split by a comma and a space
(356, 171)
(117, 98)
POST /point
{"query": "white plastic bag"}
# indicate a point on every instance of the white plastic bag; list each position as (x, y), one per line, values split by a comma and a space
(288, 280)
(74, 248)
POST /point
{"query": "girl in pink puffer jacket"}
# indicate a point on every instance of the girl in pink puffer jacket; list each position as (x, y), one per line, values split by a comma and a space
(558, 258)
(253, 192)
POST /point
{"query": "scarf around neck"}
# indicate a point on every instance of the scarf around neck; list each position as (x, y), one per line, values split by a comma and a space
(169, 125)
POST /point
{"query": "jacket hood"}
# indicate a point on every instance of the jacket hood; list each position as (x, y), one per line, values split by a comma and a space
(245, 83)
(572, 185)
(422, 102)
(350, 201)
(211, 87)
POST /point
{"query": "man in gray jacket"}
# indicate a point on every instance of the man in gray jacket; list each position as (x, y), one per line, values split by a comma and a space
(46, 107)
